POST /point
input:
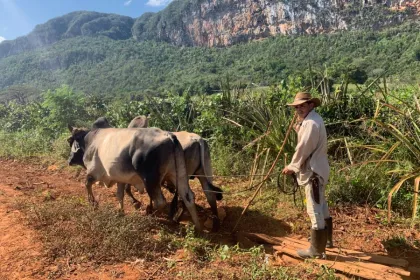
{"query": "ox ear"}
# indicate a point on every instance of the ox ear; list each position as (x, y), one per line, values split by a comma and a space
(70, 127)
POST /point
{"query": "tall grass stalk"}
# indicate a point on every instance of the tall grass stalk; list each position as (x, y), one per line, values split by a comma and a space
(403, 129)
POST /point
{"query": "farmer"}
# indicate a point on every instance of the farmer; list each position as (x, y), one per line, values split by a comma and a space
(310, 163)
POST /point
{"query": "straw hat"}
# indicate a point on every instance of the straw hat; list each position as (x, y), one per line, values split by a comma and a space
(303, 97)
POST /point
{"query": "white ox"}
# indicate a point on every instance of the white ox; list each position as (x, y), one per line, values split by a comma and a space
(147, 156)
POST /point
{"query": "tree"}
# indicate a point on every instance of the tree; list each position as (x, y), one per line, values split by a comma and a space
(64, 107)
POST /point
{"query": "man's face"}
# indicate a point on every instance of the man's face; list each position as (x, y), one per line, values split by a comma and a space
(303, 109)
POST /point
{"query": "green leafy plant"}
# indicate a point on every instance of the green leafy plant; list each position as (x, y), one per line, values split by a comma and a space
(403, 127)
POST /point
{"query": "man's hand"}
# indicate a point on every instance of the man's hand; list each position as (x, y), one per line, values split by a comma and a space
(287, 171)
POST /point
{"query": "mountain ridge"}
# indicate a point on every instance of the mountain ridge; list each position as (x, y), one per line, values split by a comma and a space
(220, 23)
(98, 53)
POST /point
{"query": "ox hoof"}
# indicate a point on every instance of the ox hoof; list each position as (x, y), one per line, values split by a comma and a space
(137, 205)
(199, 231)
(149, 209)
(94, 204)
(178, 214)
(216, 224)
(212, 224)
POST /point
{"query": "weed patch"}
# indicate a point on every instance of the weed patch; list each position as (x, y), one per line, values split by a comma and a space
(71, 228)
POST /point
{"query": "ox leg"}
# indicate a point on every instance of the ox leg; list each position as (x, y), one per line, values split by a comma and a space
(140, 188)
(176, 208)
(155, 193)
(120, 196)
(211, 198)
(149, 208)
(88, 184)
(134, 201)
(188, 198)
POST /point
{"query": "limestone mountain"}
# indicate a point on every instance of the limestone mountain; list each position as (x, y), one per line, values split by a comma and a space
(194, 44)
(221, 22)
(226, 22)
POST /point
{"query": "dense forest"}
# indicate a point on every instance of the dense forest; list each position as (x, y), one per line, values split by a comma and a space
(106, 66)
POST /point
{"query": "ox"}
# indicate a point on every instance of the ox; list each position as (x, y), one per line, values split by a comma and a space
(197, 161)
(145, 156)
(102, 122)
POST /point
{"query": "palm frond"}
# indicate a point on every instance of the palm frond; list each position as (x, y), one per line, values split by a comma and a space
(397, 186)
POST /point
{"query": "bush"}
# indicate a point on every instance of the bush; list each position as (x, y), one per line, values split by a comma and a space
(24, 144)
(60, 147)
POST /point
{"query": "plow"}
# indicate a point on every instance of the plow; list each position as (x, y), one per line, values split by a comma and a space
(349, 263)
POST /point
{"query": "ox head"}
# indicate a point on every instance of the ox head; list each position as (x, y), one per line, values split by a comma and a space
(77, 145)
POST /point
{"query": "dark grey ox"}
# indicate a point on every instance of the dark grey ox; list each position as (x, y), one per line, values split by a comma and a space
(197, 161)
(146, 156)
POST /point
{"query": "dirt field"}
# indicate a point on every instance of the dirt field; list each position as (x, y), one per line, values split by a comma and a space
(22, 254)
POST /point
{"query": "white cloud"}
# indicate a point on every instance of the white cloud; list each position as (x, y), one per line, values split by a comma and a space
(2, 39)
(127, 3)
(156, 3)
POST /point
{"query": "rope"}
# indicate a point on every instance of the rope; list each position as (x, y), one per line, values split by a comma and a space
(293, 191)
(240, 175)
(230, 193)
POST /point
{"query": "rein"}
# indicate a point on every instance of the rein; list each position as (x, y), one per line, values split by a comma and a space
(294, 189)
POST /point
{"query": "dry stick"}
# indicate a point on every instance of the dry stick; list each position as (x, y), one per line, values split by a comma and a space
(253, 171)
(416, 193)
(348, 151)
(385, 93)
(262, 147)
(265, 163)
(159, 267)
(285, 164)
(259, 137)
(229, 120)
(269, 171)
(267, 131)
(417, 103)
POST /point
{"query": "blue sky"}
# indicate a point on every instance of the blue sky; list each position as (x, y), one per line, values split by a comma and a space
(19, 17)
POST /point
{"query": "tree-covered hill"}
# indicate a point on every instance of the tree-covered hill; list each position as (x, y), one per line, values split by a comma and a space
(71, 25)
(221, 23)
(103, 65)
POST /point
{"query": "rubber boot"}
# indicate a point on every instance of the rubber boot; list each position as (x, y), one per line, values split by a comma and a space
(329, 226)
(318, 243)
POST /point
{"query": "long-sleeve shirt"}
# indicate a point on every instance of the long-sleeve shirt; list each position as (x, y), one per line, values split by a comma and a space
(311, 150)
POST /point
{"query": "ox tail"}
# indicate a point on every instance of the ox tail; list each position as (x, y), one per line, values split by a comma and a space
(182, 185)
(206, 164)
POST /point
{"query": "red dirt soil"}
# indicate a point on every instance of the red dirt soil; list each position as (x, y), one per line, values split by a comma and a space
(22, 255)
